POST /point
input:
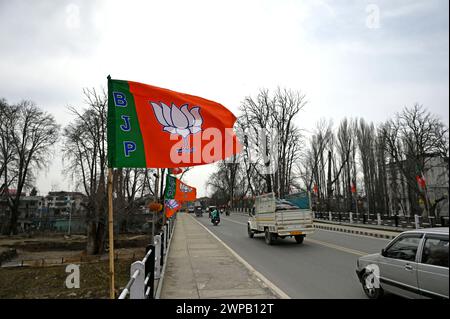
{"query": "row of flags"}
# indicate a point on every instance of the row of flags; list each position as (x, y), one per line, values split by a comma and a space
(153, 127)
(175, 193)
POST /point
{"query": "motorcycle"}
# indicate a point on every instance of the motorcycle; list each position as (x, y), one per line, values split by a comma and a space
(198, 212)
(215, 221)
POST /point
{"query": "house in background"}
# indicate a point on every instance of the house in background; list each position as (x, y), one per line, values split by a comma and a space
(58, 211)
(63, 203)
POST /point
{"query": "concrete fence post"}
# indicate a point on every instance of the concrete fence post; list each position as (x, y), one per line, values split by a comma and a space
(166, 238)
(137, 288)
(432, 221)
(168, 228)
(157, 256)
(417, 221)
(378, 218)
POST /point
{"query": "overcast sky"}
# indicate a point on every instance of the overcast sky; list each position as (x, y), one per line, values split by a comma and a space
(351, 58)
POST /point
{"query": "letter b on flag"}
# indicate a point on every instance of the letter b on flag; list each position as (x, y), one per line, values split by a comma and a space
(119, 99)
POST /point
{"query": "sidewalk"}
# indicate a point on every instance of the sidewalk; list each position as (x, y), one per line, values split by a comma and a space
(201, 267)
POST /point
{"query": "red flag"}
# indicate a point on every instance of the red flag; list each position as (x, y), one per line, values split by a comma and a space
(176, 189)
(154, 127)
(171, 207)
(421, 181)
(315, 189)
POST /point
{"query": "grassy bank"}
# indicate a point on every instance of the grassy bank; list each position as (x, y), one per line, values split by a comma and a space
(49, 282)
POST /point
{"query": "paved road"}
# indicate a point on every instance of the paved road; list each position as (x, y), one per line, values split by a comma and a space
(322, 267)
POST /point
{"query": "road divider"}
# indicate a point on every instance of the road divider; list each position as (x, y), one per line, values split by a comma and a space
(357, 230)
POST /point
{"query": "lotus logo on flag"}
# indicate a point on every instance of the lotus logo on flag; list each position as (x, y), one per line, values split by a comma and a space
(153, 127)
(185, 189)
(172, 203)
(181, 121)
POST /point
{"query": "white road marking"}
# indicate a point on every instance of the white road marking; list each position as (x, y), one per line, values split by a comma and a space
(234, 221)
(337, 247)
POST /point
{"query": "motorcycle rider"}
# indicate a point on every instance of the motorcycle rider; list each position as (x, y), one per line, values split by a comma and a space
(215, 215)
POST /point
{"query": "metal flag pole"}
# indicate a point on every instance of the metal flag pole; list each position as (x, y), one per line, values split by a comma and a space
(111, 233)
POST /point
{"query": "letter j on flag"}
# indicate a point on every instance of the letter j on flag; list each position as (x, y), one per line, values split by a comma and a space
(154, 127)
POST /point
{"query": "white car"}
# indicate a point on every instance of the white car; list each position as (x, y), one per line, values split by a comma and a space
(413, 265)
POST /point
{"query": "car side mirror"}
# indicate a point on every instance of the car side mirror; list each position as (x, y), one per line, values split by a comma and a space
(383, 252)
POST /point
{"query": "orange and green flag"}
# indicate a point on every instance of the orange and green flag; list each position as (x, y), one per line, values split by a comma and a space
(176, 189)
(171, 207)
(154, 127)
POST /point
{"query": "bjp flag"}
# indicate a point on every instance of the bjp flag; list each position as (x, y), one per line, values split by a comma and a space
(176, 189)
(154, 127)
(171, 207)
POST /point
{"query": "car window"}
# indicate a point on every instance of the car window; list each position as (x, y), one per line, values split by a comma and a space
(405, 248)
(435, 251)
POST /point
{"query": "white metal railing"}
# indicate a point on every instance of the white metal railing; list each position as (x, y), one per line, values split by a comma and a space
(144, 272)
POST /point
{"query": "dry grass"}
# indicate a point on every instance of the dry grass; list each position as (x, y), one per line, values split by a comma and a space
(49, 282)
(35, 281)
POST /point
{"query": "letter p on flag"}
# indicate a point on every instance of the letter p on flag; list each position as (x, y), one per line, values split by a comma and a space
(129, 147)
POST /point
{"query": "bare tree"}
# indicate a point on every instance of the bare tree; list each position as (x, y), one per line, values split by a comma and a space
(228, 182)
(8, 173)
(129, 185)
(412, 138)
(315, 160)
(267, 122)
(30, 133)
(86, 161)
(8, 120)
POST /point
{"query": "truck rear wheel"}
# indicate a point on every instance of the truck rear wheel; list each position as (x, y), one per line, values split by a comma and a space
(268, 237)
(299, 239)
(250, 231)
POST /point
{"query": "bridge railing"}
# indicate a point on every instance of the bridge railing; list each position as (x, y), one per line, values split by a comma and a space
(372, 219)
(383, 220)
(144, 272)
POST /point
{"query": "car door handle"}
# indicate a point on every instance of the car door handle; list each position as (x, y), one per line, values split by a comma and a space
(408, 267)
